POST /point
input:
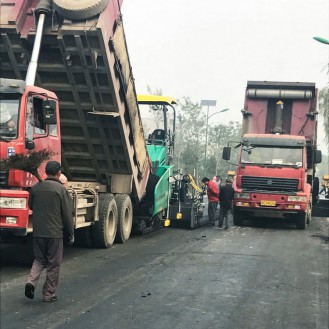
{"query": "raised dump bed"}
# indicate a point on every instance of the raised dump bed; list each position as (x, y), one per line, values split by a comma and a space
(86, 63)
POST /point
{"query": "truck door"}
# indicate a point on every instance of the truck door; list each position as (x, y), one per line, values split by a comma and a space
(40, 134)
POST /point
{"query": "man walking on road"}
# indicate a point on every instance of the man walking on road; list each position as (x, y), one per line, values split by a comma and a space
(52, 219)
(226, 195)
(212, 192)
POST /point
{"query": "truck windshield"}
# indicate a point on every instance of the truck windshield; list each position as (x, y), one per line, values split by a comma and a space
(8, 118)
(263, 155)
(152, 119)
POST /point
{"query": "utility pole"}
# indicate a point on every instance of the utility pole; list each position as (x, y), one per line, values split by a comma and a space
(208, 103)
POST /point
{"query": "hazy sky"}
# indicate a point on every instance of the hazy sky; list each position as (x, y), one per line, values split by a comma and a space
(209, 49)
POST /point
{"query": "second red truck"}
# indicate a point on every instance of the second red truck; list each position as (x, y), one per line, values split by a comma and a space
(275, 174)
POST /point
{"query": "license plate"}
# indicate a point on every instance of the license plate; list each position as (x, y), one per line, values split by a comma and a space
(267, 203)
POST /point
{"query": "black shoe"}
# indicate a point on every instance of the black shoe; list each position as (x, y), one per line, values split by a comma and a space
(49, 299)
(29, 290)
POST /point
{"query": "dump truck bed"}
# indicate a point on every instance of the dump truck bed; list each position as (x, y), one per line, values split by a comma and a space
(299, 110)
(86, 64)
(299, 114)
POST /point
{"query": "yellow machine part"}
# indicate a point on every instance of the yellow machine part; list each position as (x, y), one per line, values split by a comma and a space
(155, 99)
(193, 183)
(325, 180)
(167, 222)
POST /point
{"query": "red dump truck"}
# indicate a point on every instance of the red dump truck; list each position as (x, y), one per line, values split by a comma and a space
(78, 100)
(275, 175)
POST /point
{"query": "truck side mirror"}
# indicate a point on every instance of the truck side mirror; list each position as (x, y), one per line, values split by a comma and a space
(49, 111)
(226, 153)
(317, 156)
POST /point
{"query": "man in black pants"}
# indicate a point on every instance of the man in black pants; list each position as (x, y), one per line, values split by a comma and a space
(226, 195)
(52, 216)
(212, 192)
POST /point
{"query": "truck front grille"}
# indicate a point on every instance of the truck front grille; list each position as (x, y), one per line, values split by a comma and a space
(4, 178)
(269, 184)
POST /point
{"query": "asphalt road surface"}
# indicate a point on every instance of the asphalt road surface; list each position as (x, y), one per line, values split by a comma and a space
(263, 275)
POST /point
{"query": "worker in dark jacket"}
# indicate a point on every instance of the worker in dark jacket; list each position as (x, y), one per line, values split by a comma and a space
(226, 195)
(52, 219)
(212, 193)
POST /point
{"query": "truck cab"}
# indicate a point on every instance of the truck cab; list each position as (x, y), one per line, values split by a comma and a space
(277, 159)
(29, 117)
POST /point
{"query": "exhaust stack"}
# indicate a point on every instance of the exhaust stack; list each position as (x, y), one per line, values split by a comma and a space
(42, 10)
(278, 118)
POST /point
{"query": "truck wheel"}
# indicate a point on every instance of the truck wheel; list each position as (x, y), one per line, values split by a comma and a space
(237, 217)
(309, 214)
(301, 221)
(315, 190)
(104, 231)
(125, 217)
(82, 9)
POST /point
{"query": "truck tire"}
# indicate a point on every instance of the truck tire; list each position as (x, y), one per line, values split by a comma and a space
(309, 214)
(315, 191)
(104, 231)
(301, 221)
(237, 217)
(125, 217)
(82, 9)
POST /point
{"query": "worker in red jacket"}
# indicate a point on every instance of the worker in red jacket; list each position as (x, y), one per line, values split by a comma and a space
(212, 192)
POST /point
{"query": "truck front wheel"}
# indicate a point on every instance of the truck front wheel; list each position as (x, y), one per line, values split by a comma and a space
(237, 217)
(301, 221)
(309, 214)
(125, 217)
(104, 231)
(315, 191)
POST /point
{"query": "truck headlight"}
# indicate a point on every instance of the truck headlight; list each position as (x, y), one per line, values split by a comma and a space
(242, 195)
(12, 203)
(297, 198)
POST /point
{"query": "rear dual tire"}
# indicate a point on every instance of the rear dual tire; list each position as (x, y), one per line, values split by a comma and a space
(125, 217)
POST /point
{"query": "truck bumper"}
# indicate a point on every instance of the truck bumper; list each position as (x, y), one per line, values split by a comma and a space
(14, 221)
(268, 213)
(270, 205)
